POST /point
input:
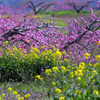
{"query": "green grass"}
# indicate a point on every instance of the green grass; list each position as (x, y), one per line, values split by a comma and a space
(68, 12)
(29, 87)
(58, 21)
(23, 86)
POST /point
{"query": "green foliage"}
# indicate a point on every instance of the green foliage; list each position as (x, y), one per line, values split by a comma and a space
(17, 64)
(68, 12)
(75, 81)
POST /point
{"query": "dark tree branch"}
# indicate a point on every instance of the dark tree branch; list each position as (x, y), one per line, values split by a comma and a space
(88, 28)
(17, 30)
(39, 4)
(42, 6)
(32, 6)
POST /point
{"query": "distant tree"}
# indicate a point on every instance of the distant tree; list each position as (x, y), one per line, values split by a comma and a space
(77, 5)
(40, 6)
(35, 5)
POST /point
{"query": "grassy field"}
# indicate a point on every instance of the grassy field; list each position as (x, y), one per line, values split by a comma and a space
(68, 12)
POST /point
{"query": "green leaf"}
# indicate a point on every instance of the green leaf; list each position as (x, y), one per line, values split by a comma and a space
(63, 82)
(56, 98)
(49, 94)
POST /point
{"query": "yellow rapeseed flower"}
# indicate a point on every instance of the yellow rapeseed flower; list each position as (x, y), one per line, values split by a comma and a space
(9, 89)
(79, 72)
(70, 52)
(63, 52)
(82, 64)
(25, 96)
(53, 83)
(61, 98)
(77, 92)
(57, 45)
(48, 71)
(98, 57)
(38, 77)
(87, 55)
(90, 64)
(22, 98)
(58, 53)
(0, 98)
(18, 95)
(98, 42)
(78, 78)
(58, 91)
(14, 92)
(94, 72)
(55, 69)
(97, 64)
(96, 93)
(93, 80)
(63, 68)
(28, 95)
(6, 42)
(71, 98)
(69, 66)
(3, 95)
(18, 98)
(71, 74)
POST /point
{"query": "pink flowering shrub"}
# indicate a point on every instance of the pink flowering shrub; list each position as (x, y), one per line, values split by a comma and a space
(79, 37)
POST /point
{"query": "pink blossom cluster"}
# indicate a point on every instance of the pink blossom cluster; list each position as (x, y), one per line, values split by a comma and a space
(52, 36)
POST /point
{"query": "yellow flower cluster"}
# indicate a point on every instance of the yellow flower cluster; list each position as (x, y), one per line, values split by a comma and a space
(77, 92)
(48, 71)
(55, 69)
(34, 54)
(81, 65)
(53, 83)
(3, 95)
(27, 95)
(61, 98)
(6, 42)
(87, 55)
(38, 77)
(79, 71)
(98, 57)
(24, 97)
(96, 93)
(72, 74)
(98, 42)
(9, 89)
(62, 68)
(15, 93)
(94, 72)
(78, 78)
(58, 90)
(58, 53)
(97, 65)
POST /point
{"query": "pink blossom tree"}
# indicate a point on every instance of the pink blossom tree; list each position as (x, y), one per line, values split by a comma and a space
(81, 36)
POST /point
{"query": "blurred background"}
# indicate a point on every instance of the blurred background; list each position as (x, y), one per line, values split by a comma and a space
(59, 5)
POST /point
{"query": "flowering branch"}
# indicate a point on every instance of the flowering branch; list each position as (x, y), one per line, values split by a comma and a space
(89, 27)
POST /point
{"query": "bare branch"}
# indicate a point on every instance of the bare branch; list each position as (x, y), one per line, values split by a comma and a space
(88, 28)
(77, 8)
(42, 6)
